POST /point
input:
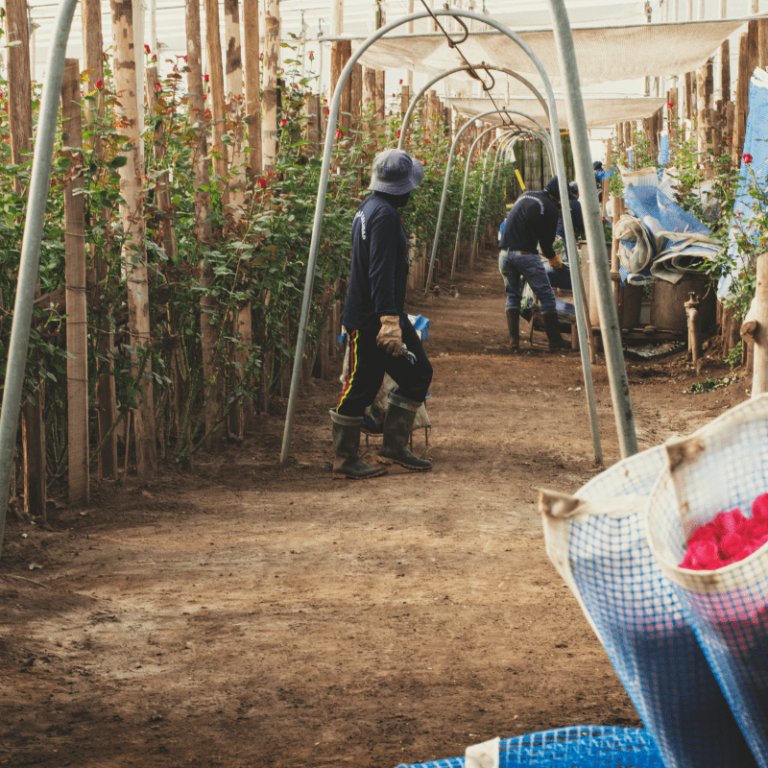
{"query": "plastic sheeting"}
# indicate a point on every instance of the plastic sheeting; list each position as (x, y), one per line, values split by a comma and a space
(752, 174)
(579, 746)
(604, 54)
(600, 112)
(660, 239)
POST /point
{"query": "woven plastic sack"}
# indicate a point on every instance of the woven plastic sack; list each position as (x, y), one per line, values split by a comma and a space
(721, 467)
(597, 541)
(580, 746)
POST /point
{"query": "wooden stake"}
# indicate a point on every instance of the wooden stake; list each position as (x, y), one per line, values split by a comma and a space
(742, 99)
(77, 309)
(208, 335)
(340, 55)
(762, 43)
(234, 85)
(20, 124)
(252, 84)
(216, 74)
(356, 99)
(759, 314)
(132, 214)
(725, 70)
(269, 132)
(93, 49)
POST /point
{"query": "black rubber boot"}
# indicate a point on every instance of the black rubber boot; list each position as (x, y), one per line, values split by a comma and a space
(346, 444)
(552, 329)
(398, 423)
(513, 324)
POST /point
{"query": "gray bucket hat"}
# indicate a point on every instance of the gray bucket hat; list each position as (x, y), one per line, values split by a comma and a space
(395, 172)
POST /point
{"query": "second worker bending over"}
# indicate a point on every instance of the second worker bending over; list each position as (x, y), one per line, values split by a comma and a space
(531, 223)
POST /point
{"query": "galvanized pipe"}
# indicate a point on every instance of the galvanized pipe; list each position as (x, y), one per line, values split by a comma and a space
(447, 179)
(416, 97)
(30, 251)
(464, 193)
(609, 323)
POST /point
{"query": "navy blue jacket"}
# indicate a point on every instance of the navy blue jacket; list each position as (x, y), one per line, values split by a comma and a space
(379, 272)
(576, 217)
(531, 222)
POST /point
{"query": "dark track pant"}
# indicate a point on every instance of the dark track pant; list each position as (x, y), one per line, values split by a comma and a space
(368, 363)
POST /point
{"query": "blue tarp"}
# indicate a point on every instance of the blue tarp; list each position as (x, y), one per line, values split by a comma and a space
(754, 173)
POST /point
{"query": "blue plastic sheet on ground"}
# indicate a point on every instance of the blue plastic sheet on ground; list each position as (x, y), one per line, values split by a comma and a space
(664, 150)
(579, 746)
(746, 207)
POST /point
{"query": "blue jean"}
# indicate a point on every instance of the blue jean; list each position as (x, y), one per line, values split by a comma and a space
(559, 278)
(514, 266)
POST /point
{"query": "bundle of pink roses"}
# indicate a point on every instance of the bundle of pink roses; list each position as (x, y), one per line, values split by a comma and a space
(728, 538)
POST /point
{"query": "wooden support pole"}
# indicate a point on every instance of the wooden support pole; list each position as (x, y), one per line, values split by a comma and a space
(673, 123)
(201, 183)
(241, 413)
(134, 254)
(77, 301)
(341, 52)
(725, 70)
(742, 99)
(689, 95)
(216, 74)
(759, 315)
(705, 90)
(252, 84)
(93, 51)
(269, 107)
(234, 110)
(379, 100)
(356, 99)
(158, 150)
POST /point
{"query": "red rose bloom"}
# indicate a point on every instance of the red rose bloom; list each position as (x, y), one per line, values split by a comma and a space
(339, 134)
(283, 123)
(670, 105)
(99, 84)
(157, 87)
(747, 158)
(262, 182)
(146, 49)
(206, 78)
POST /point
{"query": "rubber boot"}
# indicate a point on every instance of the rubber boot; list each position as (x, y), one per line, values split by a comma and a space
(513, 324)
(552, 329)
(398, 422)
(346, 444)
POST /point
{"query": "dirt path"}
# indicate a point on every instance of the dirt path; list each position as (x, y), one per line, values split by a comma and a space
(253, 615)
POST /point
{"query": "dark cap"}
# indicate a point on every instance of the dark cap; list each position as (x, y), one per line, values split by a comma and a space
(395, 172)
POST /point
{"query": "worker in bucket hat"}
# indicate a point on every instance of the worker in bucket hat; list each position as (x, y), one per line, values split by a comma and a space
(381, 338)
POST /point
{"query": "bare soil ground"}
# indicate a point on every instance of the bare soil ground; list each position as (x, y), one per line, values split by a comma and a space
(250, 614)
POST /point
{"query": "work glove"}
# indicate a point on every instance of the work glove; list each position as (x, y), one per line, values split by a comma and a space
(390, 337)
(556, 263)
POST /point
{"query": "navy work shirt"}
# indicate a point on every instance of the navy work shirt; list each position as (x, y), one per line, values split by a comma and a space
(576, 217)
(531, 222)
(379, 274)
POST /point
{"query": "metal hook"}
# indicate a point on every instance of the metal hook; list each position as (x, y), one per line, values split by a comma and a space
(453, 43)
(489, 88)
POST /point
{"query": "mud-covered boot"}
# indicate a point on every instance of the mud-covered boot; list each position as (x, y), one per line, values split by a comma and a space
(552, 329)
(398, 422)
(513, 324)
(346, 445)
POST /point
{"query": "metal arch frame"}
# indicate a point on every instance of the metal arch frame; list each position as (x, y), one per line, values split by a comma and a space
(617, 370)
(29, 263)
(464, 195)
(581, 324)
(418, 96)
(447, 179)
